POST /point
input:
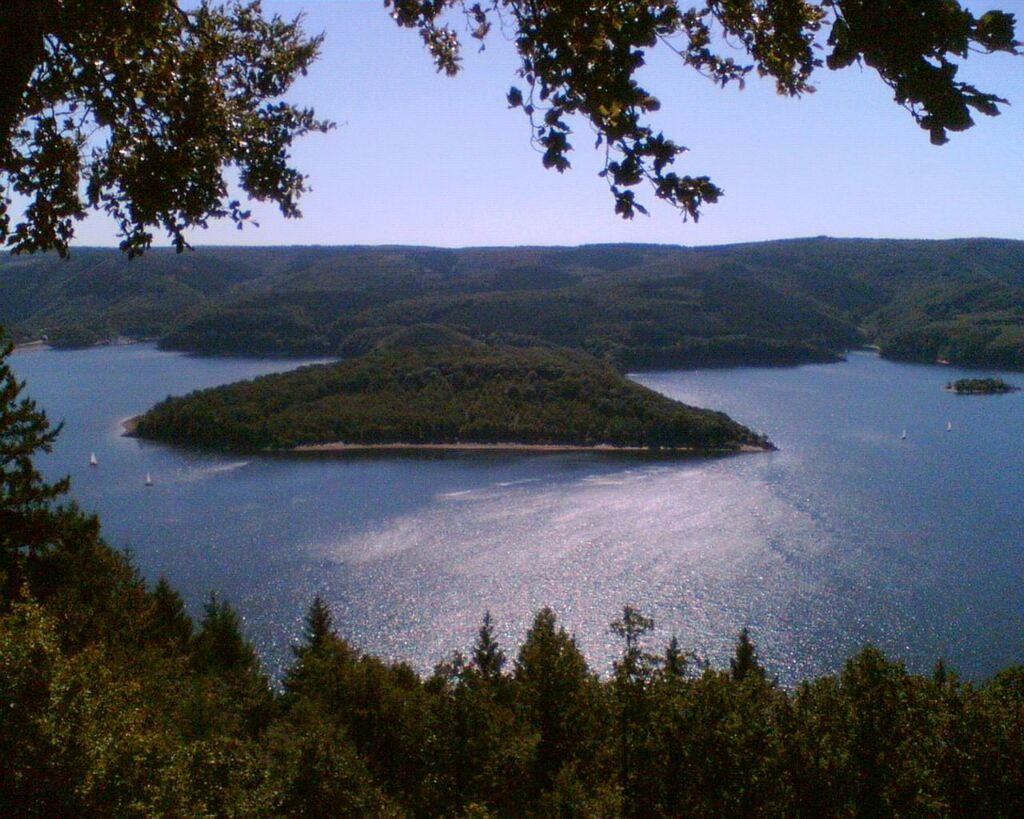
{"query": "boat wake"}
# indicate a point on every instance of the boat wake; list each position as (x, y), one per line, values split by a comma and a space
(212, 471)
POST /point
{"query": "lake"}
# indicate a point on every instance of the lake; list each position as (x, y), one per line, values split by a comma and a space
(848, 534)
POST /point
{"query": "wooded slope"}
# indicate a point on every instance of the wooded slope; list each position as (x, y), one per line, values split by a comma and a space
(636, 306)
(405, 392)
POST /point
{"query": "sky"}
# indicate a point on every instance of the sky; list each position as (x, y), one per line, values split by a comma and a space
(423, 159)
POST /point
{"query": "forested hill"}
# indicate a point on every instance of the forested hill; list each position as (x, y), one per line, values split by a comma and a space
(410, 392)
(636, 306)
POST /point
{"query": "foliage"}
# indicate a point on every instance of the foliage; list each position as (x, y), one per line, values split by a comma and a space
(137, 108)
(89, 730)
(28, 524)
(442, 395)
(635, 306)
(984, 386)
(584, 59)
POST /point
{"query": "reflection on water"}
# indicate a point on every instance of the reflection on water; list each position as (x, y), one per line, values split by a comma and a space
(847, 534)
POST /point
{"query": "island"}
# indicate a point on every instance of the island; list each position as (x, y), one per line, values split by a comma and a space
(980, 386)
(407, 393)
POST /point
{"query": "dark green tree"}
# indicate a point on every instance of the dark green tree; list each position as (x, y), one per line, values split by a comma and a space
(28, 522)
(168, 623)
(227, 696)
(584, 59)
(676, 661)
(319, 628)
(220, 647)
(745, 663)
(488, 657)
(319, 774)
(558, 697)
(633, 674)
(137, 108)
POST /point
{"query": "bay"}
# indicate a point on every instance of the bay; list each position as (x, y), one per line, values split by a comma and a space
(848, 534)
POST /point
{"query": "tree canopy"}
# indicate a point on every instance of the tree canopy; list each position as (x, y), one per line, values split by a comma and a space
(582, 58)
(139, 107)
(409, 392)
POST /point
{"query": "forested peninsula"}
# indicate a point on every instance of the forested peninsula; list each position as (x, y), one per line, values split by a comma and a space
(634, 306)
(430, 387)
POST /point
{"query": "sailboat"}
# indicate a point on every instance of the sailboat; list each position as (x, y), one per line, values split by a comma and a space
(92, 459)
(949, 426)
(903, 436)
(149, 480)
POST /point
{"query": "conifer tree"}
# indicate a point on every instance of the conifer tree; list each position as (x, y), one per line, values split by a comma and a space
(554, 688)
(220, 647)
(745, 663)
(633, 674)
(168, 622)
(488, 657)
(28, 524)
(675, 664)
(319, 626)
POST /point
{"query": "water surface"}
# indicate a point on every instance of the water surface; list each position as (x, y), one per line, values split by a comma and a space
(847, 534)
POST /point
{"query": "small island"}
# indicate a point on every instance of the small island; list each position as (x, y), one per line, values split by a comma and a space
(980, 386)
(467, 395)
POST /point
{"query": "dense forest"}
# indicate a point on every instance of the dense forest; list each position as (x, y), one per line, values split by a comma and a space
(116, 703)
(429, 385)
(635, 306)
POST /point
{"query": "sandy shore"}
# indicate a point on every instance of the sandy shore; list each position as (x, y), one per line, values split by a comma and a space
(128, 426)
(513, 447)
(31, 347)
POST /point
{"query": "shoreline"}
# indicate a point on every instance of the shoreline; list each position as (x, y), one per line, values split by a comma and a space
(31, 346)
(839, 358)
(340, 446)
(954, 391)
(129, 425)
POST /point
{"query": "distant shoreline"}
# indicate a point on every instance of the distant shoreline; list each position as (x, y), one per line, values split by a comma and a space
(32, 346)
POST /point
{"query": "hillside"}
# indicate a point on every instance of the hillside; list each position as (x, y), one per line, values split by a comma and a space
(635, 306)
(409, 392)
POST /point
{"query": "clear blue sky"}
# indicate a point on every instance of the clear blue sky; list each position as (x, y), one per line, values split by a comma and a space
(420, 158)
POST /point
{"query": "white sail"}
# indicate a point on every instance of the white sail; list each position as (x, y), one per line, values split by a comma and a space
(149, 480)
(92, 459)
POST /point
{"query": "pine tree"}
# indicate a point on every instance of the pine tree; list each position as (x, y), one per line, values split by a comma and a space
(557, 693)
(220, 647)
(633, 674)
(745, 664)
(488, 657)
(168, 622)
(321, 655)
(675, 663)
(319, 628)
(29, 523)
